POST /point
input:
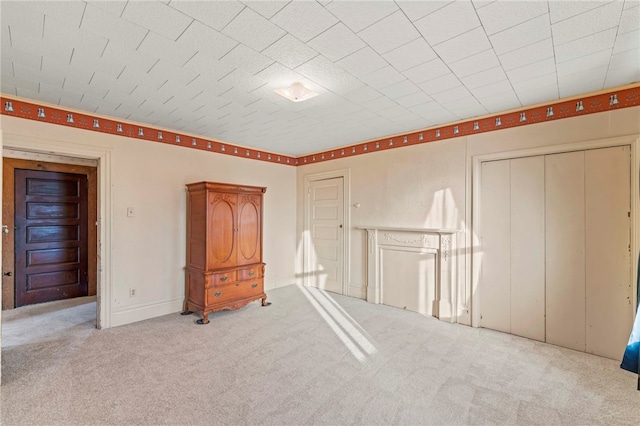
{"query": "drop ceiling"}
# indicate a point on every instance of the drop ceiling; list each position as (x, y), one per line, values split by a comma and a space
(210, 68)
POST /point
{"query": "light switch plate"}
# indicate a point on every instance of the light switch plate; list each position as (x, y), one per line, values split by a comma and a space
(130, 212)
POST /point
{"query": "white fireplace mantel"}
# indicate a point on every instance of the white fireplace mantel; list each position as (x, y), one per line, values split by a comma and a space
(391, 251)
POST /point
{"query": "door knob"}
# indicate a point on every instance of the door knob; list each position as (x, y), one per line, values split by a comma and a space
(7, 274)
(5, 229)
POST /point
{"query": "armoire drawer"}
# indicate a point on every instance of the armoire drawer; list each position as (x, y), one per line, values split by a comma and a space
(223, 278)
(233, 291)
(250, 273)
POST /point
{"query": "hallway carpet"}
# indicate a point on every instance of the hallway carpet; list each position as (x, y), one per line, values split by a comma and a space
(310, 358)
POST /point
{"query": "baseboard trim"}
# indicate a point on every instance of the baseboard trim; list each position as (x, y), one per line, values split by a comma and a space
(148, 311)
(282, 281)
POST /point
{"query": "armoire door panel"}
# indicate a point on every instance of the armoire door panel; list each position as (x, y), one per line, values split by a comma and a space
(565, 249)
(221, 229)
(609, 307)
(495, 292)
(527, 248)
(249, 230)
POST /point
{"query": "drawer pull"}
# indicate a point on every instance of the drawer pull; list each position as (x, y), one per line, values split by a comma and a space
(223, 279)
(254, 285)
(252, 273)
(217, 293)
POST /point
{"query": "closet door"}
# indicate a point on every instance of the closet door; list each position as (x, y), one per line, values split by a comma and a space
(527, 250)
(495, 291)
(565, 249)
(609, 309)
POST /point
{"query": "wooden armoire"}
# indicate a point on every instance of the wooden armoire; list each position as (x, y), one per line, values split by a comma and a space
(224, 247)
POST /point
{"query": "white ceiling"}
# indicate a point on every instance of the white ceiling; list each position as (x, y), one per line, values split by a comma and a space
(381, 67)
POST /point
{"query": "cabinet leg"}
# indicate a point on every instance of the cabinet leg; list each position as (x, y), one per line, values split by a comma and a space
(204, 320)
(264, 301)
(187, 312)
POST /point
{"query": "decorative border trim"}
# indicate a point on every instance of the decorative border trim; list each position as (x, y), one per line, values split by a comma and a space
(625, 97)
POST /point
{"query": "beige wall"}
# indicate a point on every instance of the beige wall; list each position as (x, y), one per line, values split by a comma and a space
(429, 185)
(148, 250)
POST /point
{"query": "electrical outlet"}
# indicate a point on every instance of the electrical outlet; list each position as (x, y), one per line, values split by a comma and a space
(130, 212)
(132, 292)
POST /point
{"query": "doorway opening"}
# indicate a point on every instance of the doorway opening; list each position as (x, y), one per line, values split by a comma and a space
(49, 240)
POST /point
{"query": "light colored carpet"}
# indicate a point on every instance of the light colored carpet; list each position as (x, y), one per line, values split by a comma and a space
(310, 358)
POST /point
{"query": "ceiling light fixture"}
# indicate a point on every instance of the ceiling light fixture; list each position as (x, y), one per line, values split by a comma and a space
(296, 92)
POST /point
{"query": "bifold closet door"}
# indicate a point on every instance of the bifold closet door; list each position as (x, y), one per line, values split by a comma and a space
(527, 251)
(512, 291)
(609, 307)
(565, 249)
(495, 290)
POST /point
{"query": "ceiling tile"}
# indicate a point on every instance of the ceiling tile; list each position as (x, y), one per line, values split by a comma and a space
(164, 70)
(501, 15)
(362, 95)
(114, 7)
(620, 76)
(538, 95)
(22, 20)
(451, 95)
(414, 99)
(400, 89)
(66, 12)
(448, 22)
(21, 57)
(160, 47)
(427, 71)
(266, 8)
(629, 59)
(434, 112)
(496, 88)
(584, 46)
(253, 30)
(501, 102)
(337, 42)
(630, 19)
(521, 35)
(594, 60)
(114, 59)
(207, 40)
(379, 104)
(419, 9)
(393, 31)
(158, 17)
(462, 46)
(117, 30)
(535, 83)
(362, 62)
(213, 14)
(57, 34)
(411, 54)
(483, 78)
(627, 41)
(21, 82)
(587, 23)
(383, 77)
(290, 51)
(304, 20)
(246, 59)
(279, 76)
(537, 69)
(478, 4)
(440, 84)
(527, 55)
(466, 107)
(475, 63)
(561, 10)
(35, 75)
(582, 82)
(393, 112)
(358, 15)
(328, 75)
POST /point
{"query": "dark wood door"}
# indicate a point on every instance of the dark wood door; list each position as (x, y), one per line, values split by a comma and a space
(50, 236)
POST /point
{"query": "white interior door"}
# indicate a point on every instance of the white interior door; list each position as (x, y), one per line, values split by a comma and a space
(326, 207)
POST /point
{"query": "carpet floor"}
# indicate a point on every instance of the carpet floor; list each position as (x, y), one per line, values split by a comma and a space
(309, 358)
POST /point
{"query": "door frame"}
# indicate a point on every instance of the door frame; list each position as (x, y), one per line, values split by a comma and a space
(34, 147)
(9, 165)
(475, 253)
(345, 174)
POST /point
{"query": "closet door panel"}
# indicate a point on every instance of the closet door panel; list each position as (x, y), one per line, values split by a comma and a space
(565, 249)
(528, 248)
(609, 311)
(495, 293)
